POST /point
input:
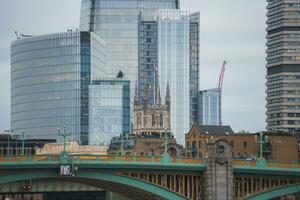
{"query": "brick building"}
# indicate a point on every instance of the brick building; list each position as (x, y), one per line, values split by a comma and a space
(280, 147)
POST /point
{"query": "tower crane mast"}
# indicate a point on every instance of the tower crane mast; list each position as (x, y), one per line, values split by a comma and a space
(221, 77)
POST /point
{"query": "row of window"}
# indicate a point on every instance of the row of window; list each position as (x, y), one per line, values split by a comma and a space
(283, 59)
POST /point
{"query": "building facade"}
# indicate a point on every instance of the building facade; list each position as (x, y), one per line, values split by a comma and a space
(278, 147)
(11, 145)
(283, 65)
(50, 75)
(152, 122)
(148, 74)
(118, 23)
(210, 107)
(175, 69)
(109, 110)
(142, 44)
(151, 119)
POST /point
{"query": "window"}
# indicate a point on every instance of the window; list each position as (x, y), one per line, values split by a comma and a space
(161, 120)
(153, 120)
(245, 144)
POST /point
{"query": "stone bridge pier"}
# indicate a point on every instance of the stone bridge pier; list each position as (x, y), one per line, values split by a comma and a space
(218, 176)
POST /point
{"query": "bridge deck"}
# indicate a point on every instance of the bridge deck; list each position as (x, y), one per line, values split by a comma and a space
(103, 161)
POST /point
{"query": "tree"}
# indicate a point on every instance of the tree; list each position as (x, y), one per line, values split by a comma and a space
(120, 74)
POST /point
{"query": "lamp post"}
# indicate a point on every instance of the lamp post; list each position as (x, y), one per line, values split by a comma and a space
(261, 161)
(8, 141)
(23, 142)
(123, 137)
(166, 136)
(64, 135)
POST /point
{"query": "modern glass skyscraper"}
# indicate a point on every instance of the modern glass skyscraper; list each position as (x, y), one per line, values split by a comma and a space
(118, 23)
(49, 84)
(136, 33)
(210, 109)
(283, 65)
(109, 110)
(161, 52)
(174, 67)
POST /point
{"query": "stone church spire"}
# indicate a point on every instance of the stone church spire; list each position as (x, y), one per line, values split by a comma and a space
(136, 96)
(168, 97)
(157, 95)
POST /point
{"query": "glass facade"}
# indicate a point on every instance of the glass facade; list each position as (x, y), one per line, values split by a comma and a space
(194, 65)
(210, 112)
(109, 110)
(148, 61)
(50, 74)
(118, 23)
(174, 67)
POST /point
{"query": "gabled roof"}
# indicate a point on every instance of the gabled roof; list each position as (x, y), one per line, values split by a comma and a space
(216, 130)
(210, 129)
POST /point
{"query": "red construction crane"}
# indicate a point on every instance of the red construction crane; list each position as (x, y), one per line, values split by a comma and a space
(221, 77)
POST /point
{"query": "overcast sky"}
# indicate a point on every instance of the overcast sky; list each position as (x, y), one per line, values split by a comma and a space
(233, 30)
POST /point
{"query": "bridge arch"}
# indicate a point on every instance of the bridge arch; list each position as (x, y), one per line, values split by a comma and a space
(133, 188)
(276, 192)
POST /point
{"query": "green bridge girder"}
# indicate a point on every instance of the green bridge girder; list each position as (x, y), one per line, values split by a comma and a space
(101, 170)
(135, 189)
(276, 192)
(47, 185)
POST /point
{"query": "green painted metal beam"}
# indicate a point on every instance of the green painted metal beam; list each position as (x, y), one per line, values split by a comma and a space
(276, 192)
(94, 175)
(247, 170)
(102, 165)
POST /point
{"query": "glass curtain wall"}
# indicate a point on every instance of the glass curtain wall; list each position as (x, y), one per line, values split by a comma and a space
(50, 78)
(109, 115)
(117, 23)
(210, 107)
(174, 65)
(45, 85)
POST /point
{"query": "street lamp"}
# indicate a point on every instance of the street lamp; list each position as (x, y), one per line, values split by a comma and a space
(262, 140)
(165, 136)
(8, 141)
(64, 135)
(122, 137)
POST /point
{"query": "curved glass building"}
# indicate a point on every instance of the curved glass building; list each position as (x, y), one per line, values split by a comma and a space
(49, 83)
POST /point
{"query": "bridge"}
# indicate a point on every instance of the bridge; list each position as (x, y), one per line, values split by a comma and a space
(143, 177)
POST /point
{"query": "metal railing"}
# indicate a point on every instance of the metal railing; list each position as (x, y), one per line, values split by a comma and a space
(270, 164)
(101, 158)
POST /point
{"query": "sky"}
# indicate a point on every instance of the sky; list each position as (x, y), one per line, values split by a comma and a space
(230, 30)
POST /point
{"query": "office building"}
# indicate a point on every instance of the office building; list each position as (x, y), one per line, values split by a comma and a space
(177, 69)
(210, 107)
(283, 65)
(118, 23)
(109, 110)
(135, 32)
(50, 75)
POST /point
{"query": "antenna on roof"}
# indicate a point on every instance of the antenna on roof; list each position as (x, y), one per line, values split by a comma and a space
(19, 36)
(16, 33)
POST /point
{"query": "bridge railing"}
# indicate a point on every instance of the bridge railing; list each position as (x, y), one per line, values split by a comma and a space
(270, 164)
(101, 158)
